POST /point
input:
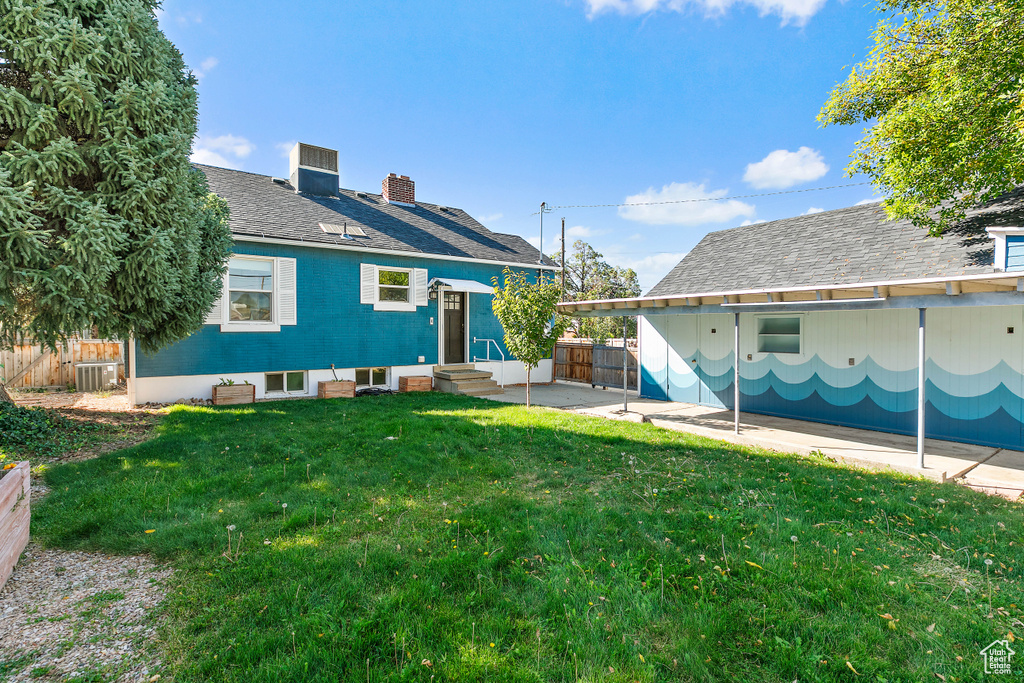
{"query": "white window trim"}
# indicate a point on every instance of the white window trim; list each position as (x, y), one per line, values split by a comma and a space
(284, 377)
(757, 335)
(379, 305)
(271, 325)
(1000, 235)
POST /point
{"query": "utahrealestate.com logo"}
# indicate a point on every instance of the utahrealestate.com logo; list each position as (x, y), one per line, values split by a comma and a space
(998, 657)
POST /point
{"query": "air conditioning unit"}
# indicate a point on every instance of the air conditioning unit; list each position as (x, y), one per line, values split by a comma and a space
(95, 376)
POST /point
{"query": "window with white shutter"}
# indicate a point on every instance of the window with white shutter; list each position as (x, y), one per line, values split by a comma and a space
(392, 289)
(259, 295)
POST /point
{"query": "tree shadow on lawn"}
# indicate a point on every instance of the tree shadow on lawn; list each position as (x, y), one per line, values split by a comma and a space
(510, 544)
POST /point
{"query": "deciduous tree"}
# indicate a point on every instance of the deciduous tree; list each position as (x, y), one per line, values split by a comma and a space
(103, 222)
(943, 86)
(526, 311)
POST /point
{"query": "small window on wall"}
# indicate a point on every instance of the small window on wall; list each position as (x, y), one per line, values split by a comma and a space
(778, 335)
(372, 377)
(286, 383)
(393, 285)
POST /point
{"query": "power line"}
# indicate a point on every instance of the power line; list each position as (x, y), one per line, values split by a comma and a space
(705, 199)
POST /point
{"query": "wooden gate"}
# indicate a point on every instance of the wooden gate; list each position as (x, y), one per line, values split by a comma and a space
(573, 361)
(28, 366)
(607, 367)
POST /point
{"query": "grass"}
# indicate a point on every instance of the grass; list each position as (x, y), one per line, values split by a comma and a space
(429, 537)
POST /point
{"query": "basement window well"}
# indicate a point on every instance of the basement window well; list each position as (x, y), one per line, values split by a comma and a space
(286, 383)
(777, 334)
(371, 377)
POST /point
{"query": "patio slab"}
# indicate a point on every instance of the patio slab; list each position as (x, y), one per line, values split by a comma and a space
(991, 469)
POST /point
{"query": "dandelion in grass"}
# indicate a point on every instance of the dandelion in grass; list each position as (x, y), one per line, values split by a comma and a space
(230, 528)
(794, 539)
(284, 510)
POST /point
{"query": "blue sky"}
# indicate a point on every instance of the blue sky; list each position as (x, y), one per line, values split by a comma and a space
(496, 107)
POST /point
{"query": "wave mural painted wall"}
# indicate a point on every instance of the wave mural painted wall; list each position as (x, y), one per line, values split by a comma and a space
(856, 368)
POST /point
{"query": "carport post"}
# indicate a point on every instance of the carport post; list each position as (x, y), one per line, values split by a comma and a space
(736, 375)
(625, 371)
(920, 388)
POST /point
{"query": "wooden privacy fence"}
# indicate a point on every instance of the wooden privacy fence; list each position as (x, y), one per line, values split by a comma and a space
(28, 366)
(607, 368)
(573, 361)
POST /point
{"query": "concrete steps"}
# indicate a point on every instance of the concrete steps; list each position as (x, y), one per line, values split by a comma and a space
(465, 379)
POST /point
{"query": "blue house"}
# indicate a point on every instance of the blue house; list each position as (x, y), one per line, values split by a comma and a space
(378, 285)
(844, 317)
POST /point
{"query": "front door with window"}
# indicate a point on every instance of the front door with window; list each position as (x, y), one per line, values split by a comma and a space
(454, 327)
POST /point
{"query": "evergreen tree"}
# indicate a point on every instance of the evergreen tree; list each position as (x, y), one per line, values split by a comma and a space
(102, 219)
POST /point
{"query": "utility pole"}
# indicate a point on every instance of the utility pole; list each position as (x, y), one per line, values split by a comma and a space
(540, 247)
(563, 257)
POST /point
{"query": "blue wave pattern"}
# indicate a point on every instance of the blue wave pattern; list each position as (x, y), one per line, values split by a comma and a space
(985, 408)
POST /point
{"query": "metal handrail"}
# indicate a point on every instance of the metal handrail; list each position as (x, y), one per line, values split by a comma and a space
(477, 359)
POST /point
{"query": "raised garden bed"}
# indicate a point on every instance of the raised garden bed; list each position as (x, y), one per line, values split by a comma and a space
(14, 517)
(415, 383)
(233, 394)
(336, 389)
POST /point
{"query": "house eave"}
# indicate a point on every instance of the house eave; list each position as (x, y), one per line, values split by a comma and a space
(996, 288)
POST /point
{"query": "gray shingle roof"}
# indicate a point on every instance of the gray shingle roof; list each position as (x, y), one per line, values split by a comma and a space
(838, 247)
(262, 208)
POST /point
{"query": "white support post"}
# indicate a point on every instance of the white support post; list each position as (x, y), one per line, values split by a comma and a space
(625, 369)
(736, 374)
(920, 387)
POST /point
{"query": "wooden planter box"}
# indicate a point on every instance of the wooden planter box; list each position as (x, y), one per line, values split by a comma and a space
(14, 517)
(339, 389)
(415, 383)
(234, 394)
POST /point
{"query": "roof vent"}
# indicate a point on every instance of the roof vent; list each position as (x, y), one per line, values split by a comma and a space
(344, 230)
(361, 195)
(444, 208)
(314, 170)
(280, 181)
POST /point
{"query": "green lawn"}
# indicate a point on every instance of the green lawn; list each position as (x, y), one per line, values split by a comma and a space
(505, 544)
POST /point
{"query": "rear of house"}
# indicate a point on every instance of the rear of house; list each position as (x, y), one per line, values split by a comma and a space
(845, 318)
(380, 286)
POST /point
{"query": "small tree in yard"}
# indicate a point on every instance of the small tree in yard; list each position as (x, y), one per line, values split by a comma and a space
(103, 221)
(526, 311)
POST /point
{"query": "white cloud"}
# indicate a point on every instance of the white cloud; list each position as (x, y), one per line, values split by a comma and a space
(811, 210)
(223, 150)
(782, 169)
(790, 11)
(694, 205)
(205, 67)
(869, 200)
(285, 148)
(750, 222)
(490, 218)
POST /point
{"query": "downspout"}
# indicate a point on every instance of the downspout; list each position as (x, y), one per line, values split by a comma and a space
(920, 386)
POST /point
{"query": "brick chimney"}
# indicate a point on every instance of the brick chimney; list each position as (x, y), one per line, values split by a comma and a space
(398, 189)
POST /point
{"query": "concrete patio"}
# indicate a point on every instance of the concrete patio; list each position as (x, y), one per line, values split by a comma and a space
(993, 470)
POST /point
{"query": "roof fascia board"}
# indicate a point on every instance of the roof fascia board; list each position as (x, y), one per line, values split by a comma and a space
(881, 285)
(922, 301)
(389, 252)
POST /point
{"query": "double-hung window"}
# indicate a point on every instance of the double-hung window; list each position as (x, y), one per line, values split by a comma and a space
(390, 288)
(259, 295)
(251, 290)
(393, 285)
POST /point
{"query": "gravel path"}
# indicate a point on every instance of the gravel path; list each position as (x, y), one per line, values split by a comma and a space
(74, 614)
